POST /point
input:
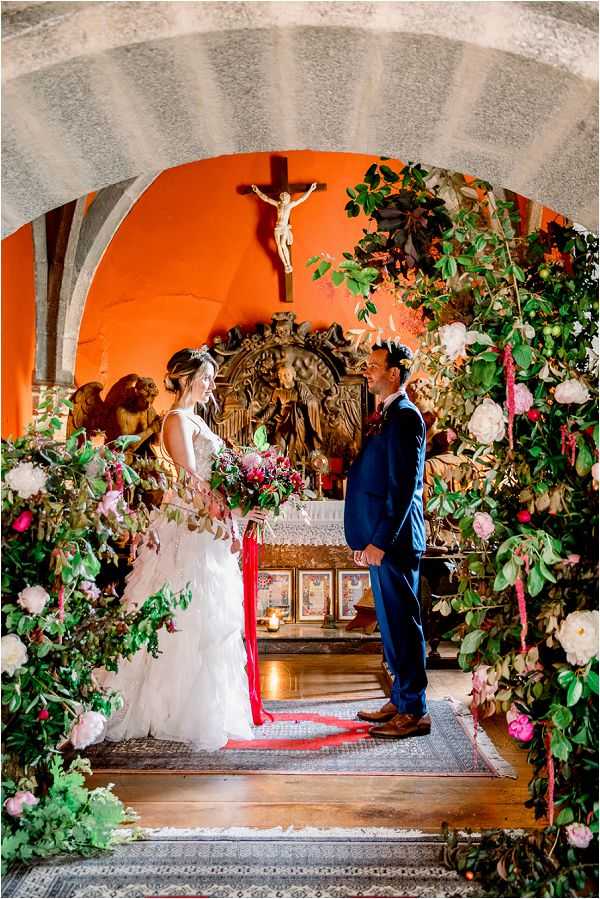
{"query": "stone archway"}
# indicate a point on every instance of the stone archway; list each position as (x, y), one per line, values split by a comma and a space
(98, 93)
(61, 289)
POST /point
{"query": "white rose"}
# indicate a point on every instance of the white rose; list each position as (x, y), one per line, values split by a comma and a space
(26, 479)
(487, 422)
(571, 391)
(88, 729)
(14, 654)
(33, 599)
(578, 636)
(454, 339)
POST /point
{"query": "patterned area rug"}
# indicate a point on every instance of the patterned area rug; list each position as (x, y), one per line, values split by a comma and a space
(249, 863)
(322, 746)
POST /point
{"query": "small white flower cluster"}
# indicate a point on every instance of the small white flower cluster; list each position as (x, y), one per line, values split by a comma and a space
(571, 391)
(14, 654)
(26, 479)
(88, 728)
(487, 422)
(455, 338)
(33, 599)
(578, 636)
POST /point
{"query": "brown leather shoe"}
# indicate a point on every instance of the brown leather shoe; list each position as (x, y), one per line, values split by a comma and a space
(402, 726)
(385, 713)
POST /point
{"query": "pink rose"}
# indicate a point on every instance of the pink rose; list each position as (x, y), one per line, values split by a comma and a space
(523, 399)
(88, 729)
(572, 560)
(109, 502)
(14, 805)
(521, 728)
(579, 835)
(22, 521)
(483, 525)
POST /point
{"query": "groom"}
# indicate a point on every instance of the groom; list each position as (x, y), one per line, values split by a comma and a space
(385, 527)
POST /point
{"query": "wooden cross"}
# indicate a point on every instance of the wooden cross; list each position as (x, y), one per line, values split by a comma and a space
(279, 174)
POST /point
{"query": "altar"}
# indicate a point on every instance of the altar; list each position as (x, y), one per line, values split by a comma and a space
(306, 569)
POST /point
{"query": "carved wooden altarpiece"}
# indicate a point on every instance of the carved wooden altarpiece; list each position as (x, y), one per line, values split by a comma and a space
(306, 387)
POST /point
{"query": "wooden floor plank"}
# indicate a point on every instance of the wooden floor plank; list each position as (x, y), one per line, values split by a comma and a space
(268, 800)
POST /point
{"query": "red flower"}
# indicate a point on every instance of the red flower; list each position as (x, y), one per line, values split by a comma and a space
(22, 521)
(524, 516)
(43, 715)
(256, 475)
(534, 414)
(171, 626)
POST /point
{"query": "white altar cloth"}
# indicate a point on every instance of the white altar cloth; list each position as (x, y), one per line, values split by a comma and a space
(321, 524)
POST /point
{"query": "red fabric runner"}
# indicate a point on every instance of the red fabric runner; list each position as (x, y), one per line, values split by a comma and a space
(350, 732)
(250, 579)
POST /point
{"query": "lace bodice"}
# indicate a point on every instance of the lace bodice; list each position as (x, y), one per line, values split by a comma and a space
(206, 443)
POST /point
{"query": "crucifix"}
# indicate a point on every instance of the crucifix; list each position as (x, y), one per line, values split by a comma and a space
(284, 205)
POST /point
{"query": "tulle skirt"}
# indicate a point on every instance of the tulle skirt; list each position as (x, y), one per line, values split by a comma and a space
(196, 691)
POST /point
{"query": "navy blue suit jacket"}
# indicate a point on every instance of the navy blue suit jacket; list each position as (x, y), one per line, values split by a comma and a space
(384, 494)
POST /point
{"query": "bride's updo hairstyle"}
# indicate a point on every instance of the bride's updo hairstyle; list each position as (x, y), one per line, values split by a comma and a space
(184, 365)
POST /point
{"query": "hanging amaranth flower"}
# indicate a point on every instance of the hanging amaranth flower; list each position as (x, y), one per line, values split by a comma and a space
(509, 375)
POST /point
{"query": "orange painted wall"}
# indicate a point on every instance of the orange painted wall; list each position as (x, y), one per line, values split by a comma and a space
(18, 330)
(195, 257)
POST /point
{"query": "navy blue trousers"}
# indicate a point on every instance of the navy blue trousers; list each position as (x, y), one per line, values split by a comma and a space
(396, 590)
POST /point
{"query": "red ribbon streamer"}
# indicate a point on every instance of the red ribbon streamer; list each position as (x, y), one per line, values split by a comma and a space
(509, 374)
(250, 580)
(350, 732)
(550, 769)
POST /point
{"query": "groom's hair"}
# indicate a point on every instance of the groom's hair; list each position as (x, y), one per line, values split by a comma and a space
(399, 356)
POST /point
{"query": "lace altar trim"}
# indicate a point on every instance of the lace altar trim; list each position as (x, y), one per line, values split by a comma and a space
(315, 524)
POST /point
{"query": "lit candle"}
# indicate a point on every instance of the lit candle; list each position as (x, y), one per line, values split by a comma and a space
(273, 622)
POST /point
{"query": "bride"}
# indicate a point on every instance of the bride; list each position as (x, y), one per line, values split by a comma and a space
(196, 691)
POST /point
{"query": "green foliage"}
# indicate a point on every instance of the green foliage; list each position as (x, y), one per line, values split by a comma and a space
(71, 538)
(68, 818)
(540, 863)
(533, 299)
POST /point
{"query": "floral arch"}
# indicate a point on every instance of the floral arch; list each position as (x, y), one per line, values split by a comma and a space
(511, 353)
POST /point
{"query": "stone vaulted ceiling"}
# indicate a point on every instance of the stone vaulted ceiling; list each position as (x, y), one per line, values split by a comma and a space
(96, 93)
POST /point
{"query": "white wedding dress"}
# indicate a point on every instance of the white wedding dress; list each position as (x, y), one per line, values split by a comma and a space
(196, 691)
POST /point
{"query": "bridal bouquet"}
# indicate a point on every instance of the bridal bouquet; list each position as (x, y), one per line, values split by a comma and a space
(256, 477)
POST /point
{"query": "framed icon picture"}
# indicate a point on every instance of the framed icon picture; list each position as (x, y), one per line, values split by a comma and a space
(274, 591)
(315, 592)
(351, 587)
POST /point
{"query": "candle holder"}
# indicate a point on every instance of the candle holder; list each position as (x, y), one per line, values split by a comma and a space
(329, 617)
(273, 623)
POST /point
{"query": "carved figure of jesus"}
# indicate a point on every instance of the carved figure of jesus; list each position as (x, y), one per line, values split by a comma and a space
(283, 229)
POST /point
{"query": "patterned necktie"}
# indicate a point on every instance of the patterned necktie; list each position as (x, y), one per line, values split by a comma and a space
(375, 420)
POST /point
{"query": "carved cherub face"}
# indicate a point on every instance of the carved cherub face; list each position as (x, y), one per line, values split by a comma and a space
(287, 376)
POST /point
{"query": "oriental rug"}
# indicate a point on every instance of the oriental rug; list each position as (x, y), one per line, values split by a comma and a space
(322, 738)
(252, 863)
